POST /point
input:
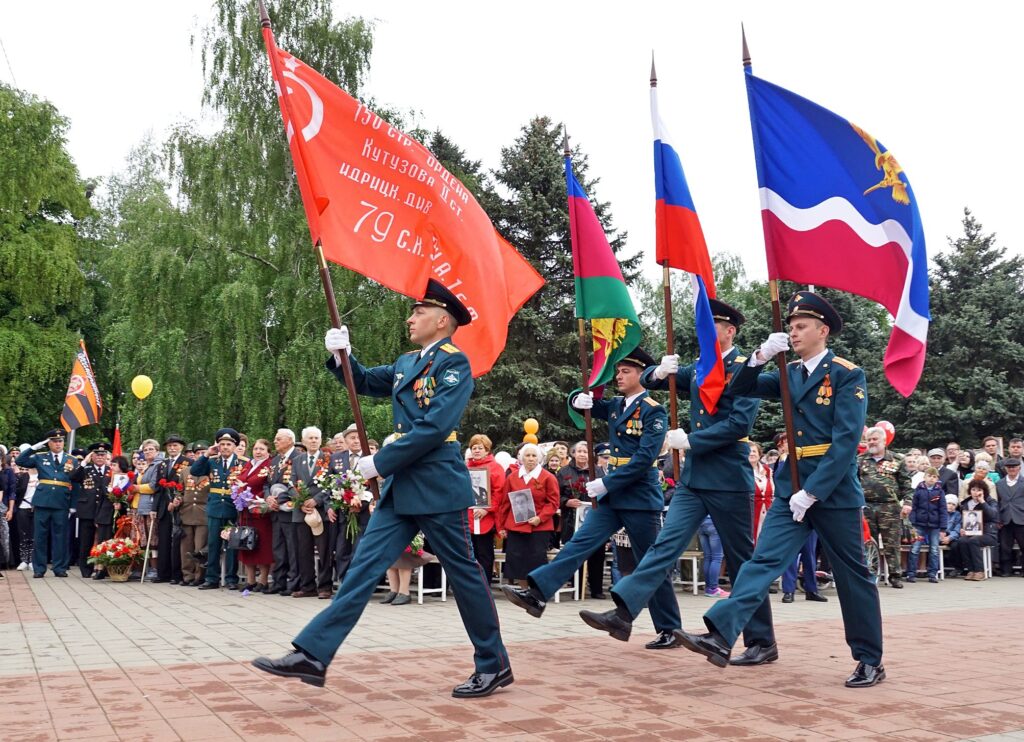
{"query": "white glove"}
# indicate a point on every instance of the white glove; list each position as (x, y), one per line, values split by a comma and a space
(678, 439)
(800, 503)
(668, 367)
(366, 468)
(41, 445)
(583, 401)
(776, 343)
(596, 488)
(336, 340)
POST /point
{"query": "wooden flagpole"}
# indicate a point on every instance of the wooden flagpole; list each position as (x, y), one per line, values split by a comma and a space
(780, 358)
(332, 310)
(673, 402)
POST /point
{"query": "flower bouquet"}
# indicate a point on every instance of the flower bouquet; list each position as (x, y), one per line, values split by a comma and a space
(349, 496)
(170, 484)
(116, 556)
(415, 555)
(241, 496)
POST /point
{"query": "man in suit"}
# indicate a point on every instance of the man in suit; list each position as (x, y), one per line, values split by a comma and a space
(829, 397)
(284, 531)
(315, 580)
(427, 488)
(167, 500)
(342, 461)
(51, 502)
(948, 479)
(716, 480)
(1010, 494)
(93, 479)
(220, 464)
(628, 496)
(191, 513)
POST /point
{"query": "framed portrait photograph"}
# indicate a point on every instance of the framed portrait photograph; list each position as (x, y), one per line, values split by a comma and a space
(522, 505)
(481, 479)
(581, 513)
(973, 523)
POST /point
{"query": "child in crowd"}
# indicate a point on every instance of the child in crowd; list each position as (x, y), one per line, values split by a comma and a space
(929, 516)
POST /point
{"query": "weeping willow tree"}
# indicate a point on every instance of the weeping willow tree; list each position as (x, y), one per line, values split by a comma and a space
(44, 296)
(215, 284)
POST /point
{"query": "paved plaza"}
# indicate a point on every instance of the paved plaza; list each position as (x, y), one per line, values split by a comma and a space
(102, 661)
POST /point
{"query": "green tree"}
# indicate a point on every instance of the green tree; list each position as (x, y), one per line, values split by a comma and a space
(529, 206)
(973, 381)
(44, 296)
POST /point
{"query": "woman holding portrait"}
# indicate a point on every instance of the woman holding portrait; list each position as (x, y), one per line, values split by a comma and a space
(527, 538)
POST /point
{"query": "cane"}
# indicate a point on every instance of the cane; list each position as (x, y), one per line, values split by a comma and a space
(149, 539)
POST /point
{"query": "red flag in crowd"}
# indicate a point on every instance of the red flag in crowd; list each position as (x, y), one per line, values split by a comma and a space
(382, 205)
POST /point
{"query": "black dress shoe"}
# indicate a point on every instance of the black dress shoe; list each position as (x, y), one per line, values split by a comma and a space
(526, 598)
(156, 580)
(665, 640)
(99, 575)
(608, 621)
(711, 645)
(482, 684)
(38, 574)
(295, 664)
(816, 597)
(598, 596)
(60, 574)
(864, 676)
(209, 586)
(896, 582)
(756, 655)
(772, 590)
(175, 582)
(233, 586)
(787, 597)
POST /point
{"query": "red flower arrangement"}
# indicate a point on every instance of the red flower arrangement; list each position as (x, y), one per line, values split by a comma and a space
(115, 551)
(170, 484)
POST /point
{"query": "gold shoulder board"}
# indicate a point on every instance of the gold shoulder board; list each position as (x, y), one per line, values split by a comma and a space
(652, 402)
(793, 363)
(449, 348)
(739, 359)
(848, 365)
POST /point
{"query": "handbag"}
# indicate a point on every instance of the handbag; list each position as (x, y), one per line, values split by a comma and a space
(243, 538)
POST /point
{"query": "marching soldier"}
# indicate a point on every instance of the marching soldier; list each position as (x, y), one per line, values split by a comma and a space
(886, 483)
(628, 496)
(191, 512)
(93, 480)
(220, 464)
(429, 390)
(829, 397)
(51, 502)
(716, 480)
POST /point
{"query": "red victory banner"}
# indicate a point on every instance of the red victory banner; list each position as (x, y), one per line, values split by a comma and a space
(382, 205)
(82, 403)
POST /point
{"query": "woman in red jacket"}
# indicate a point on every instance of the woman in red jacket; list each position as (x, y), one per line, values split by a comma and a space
(482, 518)
(527, 538)
(254, 474)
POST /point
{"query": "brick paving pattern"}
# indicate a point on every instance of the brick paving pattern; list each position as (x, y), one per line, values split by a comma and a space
(103, 661)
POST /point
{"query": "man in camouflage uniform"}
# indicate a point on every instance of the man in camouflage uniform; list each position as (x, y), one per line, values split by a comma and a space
(886, 483)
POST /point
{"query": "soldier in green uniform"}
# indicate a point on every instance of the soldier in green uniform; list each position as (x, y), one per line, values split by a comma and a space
(886, 483)
(427, 488)
(221, 465)
(51, 502)
(829, 398)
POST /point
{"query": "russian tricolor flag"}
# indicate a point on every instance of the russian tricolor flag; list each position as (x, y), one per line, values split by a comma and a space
(680, 244)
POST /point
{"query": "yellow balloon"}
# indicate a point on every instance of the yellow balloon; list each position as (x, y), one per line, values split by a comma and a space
(531, 426)
(529, 438)
(142, 386)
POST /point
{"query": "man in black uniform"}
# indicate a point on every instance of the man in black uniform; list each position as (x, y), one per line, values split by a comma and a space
(93, 480)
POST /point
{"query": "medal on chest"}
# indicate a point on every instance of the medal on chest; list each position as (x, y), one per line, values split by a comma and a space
(824, 392)
(423, 387)
(634, 425)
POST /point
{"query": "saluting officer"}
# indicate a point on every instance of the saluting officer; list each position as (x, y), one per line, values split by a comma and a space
(829, 397)
(220, 464)
(427, 489)
(628, 496)
(51, 501)
(93, 478)
(716, 480)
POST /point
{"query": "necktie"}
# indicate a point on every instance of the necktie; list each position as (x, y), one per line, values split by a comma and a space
(312, 460)
(803, 372)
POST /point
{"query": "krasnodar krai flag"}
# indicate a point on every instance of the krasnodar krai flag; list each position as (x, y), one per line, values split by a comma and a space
(382, 205)
(680, 241)
(838, 211)
(82, 403)
(601, 293)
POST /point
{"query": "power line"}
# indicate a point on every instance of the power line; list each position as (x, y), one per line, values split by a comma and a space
(8, 60)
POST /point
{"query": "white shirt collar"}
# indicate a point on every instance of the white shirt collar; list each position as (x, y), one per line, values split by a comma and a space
(424, 351)
(812, 363)
(534, 473)
(631, 400)
(1012, 481)
(287, 454)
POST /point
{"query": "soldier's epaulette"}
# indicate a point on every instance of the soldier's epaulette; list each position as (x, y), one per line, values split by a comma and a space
(793, 363)
(449, 348)
(410, 352)
(652, 402)
(848, 365)
(739, 359)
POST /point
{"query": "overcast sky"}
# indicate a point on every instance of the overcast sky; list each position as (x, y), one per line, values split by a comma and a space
(935, 83)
